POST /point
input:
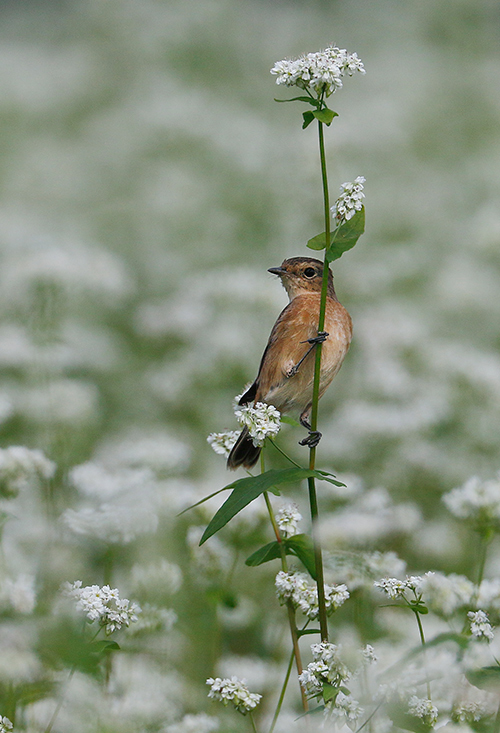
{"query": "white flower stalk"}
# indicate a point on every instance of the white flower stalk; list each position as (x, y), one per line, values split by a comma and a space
(476, 500)
(288, 519)
(295, 587)
(262, 421)
(424, 709)
(480, 626)
(349, 201)
(222, 443)
(103, 605)
(5, 724)
(233, 691)
(320, 72)
(327, 666)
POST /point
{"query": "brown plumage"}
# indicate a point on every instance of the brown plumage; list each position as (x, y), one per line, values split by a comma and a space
(284, 380)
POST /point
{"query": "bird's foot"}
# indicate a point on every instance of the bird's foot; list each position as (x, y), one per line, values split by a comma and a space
(322, 336)
(312, 439)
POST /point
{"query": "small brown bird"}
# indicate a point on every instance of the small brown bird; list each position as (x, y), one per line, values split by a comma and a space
(286, 371)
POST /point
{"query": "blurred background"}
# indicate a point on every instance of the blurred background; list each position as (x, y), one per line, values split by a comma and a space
(147, 182)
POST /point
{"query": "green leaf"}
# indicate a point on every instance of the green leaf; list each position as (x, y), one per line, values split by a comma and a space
(486, 678)
(290, 421)
(202, 501)
(264, 554)
(308, 118)
(408, 722)
(303, 632)
(318, 242)
(302, 546)
(346, 236)
(419, 607)
(325, 115)
(104, 646)
(308, 100)
(245, 490)
(329, 692)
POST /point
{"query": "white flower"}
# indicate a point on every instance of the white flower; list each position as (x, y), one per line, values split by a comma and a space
(262, 421)
(480, 625)
(102, 604)
(424, 709)
(477, 500)
(303, 595)
(368, 654)
(327, 666)
(5, 724)
(222, 443)
(287, 519)
(392, 586)
(20, 593)
(349, 201)
(344, 706)
(233, 691)
(20, 465)
(321, 72)
(468, 712)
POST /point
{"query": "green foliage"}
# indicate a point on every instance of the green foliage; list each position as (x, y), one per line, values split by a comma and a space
(300, 545)
(342, 239)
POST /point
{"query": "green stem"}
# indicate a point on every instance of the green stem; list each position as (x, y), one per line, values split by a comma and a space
(252, 721)
(282, 693)
(280, 450)
(290, 609)
(323, 623)
(422, 639)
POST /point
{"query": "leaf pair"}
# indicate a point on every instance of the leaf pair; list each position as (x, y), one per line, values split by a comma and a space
(322, 113)
(300, 545)
(343, 238)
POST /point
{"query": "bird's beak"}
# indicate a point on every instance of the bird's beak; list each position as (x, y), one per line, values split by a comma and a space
(277, 270)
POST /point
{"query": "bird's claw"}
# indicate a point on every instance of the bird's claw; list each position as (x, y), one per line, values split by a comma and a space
(322, 336)
(312, 439)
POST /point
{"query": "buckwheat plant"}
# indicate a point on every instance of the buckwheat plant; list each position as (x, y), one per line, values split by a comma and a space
(318, 76)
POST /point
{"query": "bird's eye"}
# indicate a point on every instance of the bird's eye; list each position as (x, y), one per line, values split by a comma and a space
(309, 272)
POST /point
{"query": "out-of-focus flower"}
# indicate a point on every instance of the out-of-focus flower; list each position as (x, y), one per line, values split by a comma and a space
(321, 71)
(152, 618)
(19, 594)
(222, 443)
(349, 201)
(200, 723)
(424, 709)
(103, 605)
(476, 500)
(20, 465)
(288, 519)
(233, 691)
(468, 712)
(344, 708)
(368, 655)
(303, 595)
(445, 594)
(262, 421)
(480, 625)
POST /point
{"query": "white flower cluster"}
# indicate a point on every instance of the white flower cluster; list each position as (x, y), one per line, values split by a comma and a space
(477, 500)
(5, 724)
(287, 519)
(262, 421)
(103, 605)
(233, 691)
(303, 595)
(424, 709)
(480, 625)
(468, 712)
(222, 443)
(396, 588)
(321, 72)
(19, 465)
(199, 723)
(345, 707)
(327, 666)
(445, 594)
(349, 201)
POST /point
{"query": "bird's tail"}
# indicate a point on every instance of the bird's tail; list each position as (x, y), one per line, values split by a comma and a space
(244, 452)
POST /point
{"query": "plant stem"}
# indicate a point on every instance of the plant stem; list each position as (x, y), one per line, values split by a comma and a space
(323, 624)
(422, 639)
(282, 693)
(252, 721)
(289, 606)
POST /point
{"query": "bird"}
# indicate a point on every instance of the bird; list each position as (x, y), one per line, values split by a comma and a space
(286, 373)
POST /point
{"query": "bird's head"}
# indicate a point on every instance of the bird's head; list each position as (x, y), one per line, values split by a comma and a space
(301, 275)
